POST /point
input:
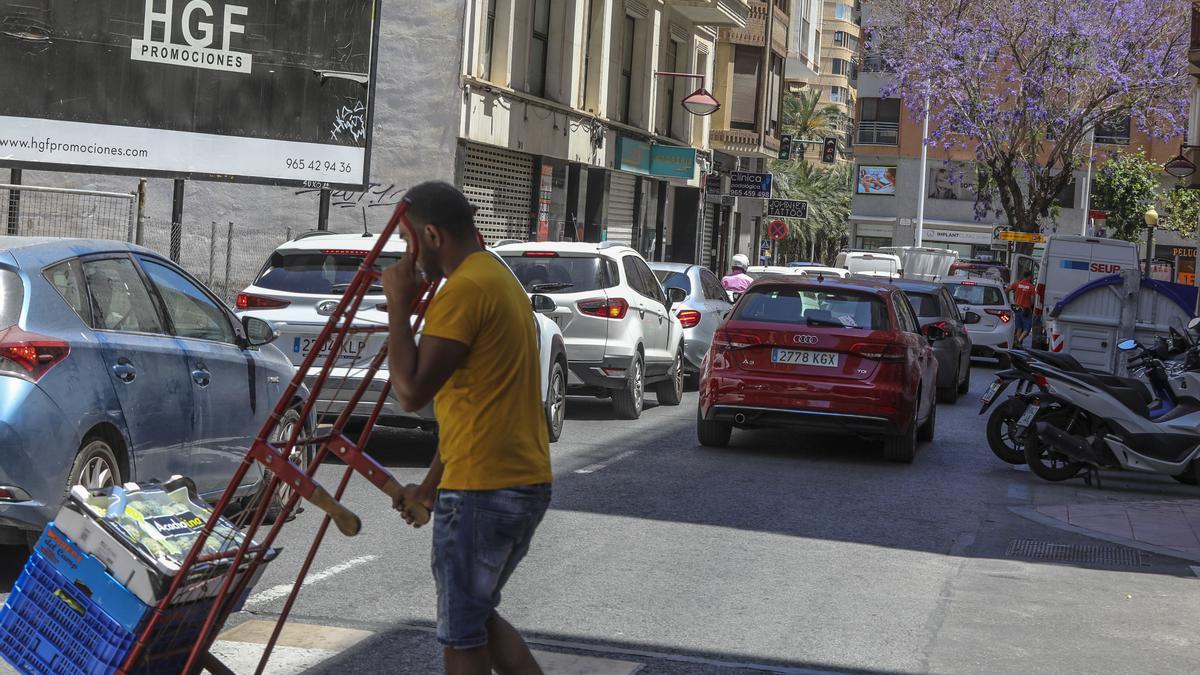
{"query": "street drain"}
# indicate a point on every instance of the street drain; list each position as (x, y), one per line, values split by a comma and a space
(1112, 556)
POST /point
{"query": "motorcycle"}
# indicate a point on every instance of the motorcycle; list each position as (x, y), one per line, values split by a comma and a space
(1001, 423)
(1080, 420)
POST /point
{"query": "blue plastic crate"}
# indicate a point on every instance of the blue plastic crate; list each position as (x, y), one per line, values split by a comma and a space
(51, 625)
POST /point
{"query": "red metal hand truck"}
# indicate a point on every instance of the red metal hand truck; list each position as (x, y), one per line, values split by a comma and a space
(238, 558)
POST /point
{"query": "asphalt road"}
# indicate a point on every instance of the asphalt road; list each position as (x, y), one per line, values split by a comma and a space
(784, 552)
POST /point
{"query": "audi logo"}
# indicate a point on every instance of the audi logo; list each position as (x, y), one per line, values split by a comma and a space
(805, 339)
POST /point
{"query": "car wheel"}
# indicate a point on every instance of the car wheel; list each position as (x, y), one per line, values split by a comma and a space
(301, 456)
(95, 466)
(949, 394)
(902, 447)
(712, 434)
(964, 387)
(628, 401)
(556, 401)
(670, 391)
(926, 431)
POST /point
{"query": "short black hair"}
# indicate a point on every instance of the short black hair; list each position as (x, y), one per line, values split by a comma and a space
(443, 205)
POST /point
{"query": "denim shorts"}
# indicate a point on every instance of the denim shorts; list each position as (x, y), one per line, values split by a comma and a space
(479, 536)
(1024, 320)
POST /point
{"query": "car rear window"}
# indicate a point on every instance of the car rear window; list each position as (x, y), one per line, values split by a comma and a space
(926, 305)
(814, 307)
(12, 297)
(318, 272)
(977, 295)
(558, 274)
(670, 279)
(872, 264)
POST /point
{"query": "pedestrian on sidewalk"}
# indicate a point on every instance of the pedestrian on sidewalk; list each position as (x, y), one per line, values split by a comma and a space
(489, 484)
(1022, 291)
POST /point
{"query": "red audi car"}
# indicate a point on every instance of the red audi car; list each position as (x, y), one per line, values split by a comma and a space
(821, 354)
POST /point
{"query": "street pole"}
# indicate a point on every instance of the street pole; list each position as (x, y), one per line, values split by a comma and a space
(14, 203)
(1149, 249)
(920, 232)
(1087, 185)
(323, 211)
(176, 220)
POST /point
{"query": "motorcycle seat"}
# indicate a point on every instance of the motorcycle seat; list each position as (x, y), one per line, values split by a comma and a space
(1130, 392)
(1061, 361)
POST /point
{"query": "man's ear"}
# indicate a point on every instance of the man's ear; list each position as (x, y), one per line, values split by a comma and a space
(433, 235)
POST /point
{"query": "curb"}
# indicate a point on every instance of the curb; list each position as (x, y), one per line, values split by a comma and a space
(1032, 514)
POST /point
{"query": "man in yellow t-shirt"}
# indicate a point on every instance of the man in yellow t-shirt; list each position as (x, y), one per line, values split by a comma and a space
(489, 484)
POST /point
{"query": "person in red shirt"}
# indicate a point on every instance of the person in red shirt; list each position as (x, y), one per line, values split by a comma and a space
(1022, 291)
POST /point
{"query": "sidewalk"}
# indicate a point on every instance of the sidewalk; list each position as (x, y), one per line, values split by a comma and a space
(1168, 527)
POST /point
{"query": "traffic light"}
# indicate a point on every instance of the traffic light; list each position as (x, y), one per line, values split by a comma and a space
(785, 147)
(829, 151)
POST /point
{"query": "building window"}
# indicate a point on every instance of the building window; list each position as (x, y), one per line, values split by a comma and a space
(539, 47)
(627, 69)
(776, 84)
(879, 121)
(805, 29)
(588, 19)
(489, 39)
(744, 110)
(839, 95)
(843, 12)
(1066, 198)
(1113, 133)
(671, 63)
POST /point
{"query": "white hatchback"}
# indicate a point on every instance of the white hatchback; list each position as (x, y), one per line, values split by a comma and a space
(997, 325)
(615, 316)
(300, 286)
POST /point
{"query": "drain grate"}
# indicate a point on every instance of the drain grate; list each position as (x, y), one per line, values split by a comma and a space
(1114, 556)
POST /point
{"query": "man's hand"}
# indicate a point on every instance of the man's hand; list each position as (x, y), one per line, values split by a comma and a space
(413, 494)
(401, 284)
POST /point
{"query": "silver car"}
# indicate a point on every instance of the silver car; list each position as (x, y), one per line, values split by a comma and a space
(700, 313)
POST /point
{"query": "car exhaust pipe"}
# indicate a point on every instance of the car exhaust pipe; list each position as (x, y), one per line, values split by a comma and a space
(1068, 444)
(739, 418)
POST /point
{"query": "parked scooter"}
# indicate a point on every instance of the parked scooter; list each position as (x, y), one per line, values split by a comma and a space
(1081, 420)
(1002, 422)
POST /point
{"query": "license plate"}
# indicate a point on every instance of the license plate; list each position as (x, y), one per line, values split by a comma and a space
(1026, 418)
(804, 358)
(351, 348)
(990, 394)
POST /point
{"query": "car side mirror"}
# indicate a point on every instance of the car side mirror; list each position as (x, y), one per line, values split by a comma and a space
(934, 333)
(1194, 324)
(971, 318)
(258, 331)
(542, 304)
(676, 296)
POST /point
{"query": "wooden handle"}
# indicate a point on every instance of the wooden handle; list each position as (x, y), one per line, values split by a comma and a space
(415, 510)
(345, 519)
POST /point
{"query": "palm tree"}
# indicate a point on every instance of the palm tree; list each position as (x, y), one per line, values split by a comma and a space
(828, 193)
(807, 119)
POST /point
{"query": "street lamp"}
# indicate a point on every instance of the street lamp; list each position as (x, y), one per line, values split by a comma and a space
(700, 102)
(1151, 218)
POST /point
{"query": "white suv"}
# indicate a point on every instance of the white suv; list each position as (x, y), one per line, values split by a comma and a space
(300, 286)
(620, 333)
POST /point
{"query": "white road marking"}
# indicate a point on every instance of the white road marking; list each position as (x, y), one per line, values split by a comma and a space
(282, 590)
(592, 468)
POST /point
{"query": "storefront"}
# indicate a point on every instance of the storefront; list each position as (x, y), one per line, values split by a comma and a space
(500, 182)
(648, 186)
(967, 243)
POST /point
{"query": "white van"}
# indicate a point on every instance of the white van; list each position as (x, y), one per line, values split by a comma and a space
(1089, 326)
(869, 263)
(927, 264)
(1071, 261)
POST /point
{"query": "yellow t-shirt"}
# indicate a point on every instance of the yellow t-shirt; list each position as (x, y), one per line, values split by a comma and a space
(492, 426)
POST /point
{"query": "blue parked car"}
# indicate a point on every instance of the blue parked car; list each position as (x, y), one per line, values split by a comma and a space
(117, 366)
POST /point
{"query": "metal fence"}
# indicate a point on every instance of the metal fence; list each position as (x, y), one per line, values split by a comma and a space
(224, 256)
(32, 211)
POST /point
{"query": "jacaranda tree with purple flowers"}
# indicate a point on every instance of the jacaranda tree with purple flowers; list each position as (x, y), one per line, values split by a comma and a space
(1023, 82)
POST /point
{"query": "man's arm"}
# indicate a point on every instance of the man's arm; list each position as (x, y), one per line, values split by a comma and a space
(417, 374)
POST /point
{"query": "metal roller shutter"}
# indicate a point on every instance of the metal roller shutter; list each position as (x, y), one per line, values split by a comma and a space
(500, 183)
(621, 189)
(706, 243)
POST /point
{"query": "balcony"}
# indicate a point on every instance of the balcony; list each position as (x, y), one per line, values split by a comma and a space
(722, 13)
(743, 143)
(878, 133)
(754, 32)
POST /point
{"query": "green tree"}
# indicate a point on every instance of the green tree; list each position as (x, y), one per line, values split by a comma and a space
(1126, 186)
(1183, 209)
(828, 194)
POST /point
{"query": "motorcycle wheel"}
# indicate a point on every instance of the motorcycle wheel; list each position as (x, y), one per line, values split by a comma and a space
(1000, 426)
(1044, 461)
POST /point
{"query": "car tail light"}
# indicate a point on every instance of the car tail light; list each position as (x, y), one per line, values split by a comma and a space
(879, 352)
(689, 318)
(540, 254)
(1003, 314)
(940, 325)
(725, 340)
(28, 355)
(343, 251)
(249, 301)
(967, 283)
(605, 308)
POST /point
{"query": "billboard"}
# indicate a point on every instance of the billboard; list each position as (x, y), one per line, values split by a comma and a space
(876, 180)
(235, 90)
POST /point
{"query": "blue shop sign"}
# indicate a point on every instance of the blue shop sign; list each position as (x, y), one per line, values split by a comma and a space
(669, 161)
(633, 155)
